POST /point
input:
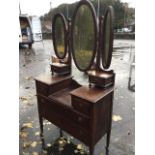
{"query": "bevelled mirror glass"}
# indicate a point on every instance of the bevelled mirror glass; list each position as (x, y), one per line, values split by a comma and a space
(59, 35)
(84, 35)
(107, 47)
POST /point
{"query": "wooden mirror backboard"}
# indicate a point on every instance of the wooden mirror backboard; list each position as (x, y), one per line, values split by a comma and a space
(59, 31)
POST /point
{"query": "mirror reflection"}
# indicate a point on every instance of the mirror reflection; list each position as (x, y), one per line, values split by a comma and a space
(83, 37)
(60, 37)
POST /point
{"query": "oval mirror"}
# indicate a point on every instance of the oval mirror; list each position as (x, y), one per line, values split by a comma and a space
(84, 35)
(107, 44)
(59, 31)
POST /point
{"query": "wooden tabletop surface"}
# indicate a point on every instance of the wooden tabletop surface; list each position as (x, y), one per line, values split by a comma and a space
(49, 79)
(92, 94)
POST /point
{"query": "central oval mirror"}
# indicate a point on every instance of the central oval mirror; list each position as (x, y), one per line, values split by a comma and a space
(84, 35)
(59, 31)
(107, 45)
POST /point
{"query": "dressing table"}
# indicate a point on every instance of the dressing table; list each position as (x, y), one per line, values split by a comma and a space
(84, 111)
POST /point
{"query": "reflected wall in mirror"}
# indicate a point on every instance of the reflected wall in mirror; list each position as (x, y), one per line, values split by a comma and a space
(59, 29)
(107, 35)
(84, 35)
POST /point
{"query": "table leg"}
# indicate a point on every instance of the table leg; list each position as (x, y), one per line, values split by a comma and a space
(52, 73)
(41, 131)
(91, 150)
(108, 142)
(61, 133)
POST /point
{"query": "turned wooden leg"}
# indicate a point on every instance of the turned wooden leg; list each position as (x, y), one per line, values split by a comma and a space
(91, 150)
(52, 73)
(41, 131)
(61, 133)
(107, 151)
(109, 130)
(89, 85)
(108, 142)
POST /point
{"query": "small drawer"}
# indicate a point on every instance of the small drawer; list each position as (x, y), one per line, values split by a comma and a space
(79, 119)
(102, 81)
(42, 88)
(81, 105)
(83, 122)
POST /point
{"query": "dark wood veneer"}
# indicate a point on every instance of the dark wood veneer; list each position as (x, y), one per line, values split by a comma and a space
(83, 111)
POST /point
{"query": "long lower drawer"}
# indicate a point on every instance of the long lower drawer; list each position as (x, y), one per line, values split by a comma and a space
(66, 118)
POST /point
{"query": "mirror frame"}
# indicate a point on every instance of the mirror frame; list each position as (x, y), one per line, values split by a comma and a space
(111, 12)
(92, 10)
(55, 17)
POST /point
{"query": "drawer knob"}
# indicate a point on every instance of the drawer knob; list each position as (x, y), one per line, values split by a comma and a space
(42, 100)
(80, 105)
(80, 119)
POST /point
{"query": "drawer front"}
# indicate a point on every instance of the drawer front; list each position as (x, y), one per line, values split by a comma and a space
(59, 86)
(49, 108)
(101, 81)
(42, 88)
(50, 111)
(78, 119)
(60, 69)
(81, 105)
(66, 119)
(93, 79)
(81, 121)
(75, 130)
